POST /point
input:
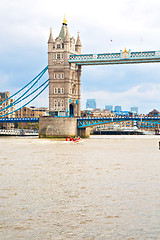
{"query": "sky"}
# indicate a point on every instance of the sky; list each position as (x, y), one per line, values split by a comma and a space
(129, 24)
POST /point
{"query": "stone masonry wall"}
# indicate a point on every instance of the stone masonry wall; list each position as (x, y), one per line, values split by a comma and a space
(57, 127)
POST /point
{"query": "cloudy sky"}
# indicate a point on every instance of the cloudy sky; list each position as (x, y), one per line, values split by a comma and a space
(132, 24)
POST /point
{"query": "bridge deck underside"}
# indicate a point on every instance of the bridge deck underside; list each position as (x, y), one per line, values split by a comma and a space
(112, 61)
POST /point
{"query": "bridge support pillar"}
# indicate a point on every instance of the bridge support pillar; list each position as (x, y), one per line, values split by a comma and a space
(84, 132)
(57, 127)
(61, 127)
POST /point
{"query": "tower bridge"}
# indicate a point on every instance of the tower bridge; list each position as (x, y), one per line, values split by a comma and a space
(65, 61)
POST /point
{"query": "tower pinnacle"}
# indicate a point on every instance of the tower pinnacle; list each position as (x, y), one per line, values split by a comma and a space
(78, 42)
(64, 21)
(50, 40)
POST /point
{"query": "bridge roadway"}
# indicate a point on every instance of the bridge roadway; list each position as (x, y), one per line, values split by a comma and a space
(87, 122)
(18, 120)
(84, 122)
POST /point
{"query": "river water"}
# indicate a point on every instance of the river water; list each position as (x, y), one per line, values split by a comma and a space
(102, 188)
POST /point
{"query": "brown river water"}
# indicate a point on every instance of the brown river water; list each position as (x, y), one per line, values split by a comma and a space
(102, 188)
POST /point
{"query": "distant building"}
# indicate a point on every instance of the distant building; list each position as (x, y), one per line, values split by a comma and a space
(5, 109)
(91, 103)
(109, 107)
(134, 109)
(121, 113)
(5, 105)
(31, 112)
(154, 113)
(117, 108)
(97, 112)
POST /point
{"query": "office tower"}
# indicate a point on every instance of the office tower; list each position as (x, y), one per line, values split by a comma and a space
(118, 108)
(91, 103)
(134, 109)
(109, 107)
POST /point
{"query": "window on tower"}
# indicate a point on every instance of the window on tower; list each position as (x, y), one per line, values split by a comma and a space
(58, 56)
(59, 90)
(58, 46)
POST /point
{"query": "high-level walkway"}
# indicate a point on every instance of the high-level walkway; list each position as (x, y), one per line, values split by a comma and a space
(123, 57)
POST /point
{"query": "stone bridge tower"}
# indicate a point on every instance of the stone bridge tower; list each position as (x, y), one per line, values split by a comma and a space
(64, 77)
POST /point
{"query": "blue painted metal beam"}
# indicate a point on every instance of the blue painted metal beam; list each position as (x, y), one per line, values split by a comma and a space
(124, 57)
(88, 122)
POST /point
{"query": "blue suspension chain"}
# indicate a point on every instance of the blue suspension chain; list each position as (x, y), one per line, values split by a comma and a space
(16, 101)
(32, 92)
(28, 101)
(44, 70)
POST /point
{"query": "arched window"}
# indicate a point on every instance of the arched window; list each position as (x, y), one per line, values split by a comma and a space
(58, 46)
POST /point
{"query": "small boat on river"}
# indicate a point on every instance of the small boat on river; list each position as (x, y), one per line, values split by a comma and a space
(76, 140)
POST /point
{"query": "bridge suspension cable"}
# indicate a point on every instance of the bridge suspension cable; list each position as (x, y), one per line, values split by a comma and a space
(19, 99)
(39, 75)
(47, 84)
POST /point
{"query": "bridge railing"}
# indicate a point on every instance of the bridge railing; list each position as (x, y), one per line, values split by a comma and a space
(18, 120)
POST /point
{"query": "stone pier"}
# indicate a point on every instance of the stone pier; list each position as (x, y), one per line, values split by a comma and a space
(60, 127)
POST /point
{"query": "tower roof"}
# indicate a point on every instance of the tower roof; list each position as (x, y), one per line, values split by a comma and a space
(64, 30)
(67, 37)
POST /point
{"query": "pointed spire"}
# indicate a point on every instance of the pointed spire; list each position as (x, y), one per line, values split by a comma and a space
(78, 42)
(50, 40)
(67, 37)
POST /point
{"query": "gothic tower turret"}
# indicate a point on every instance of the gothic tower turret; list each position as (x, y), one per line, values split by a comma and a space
(64, 78)
(78, 45)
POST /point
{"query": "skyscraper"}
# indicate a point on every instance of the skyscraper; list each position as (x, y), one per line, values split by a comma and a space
(109, 107)
(134, 109)
(117, 108)
(91, 103)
